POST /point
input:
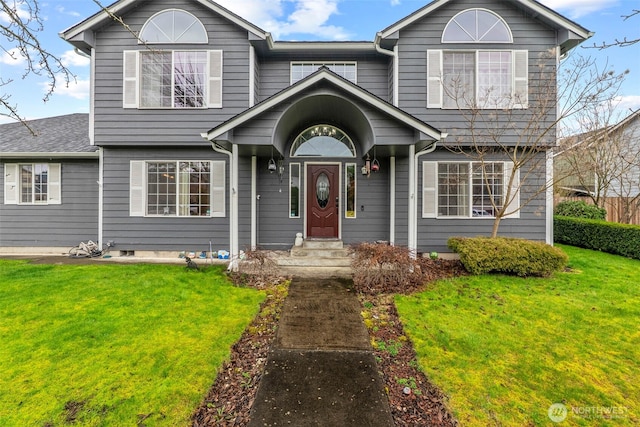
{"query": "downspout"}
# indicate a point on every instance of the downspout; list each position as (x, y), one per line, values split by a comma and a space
(233, 204)
(413, 196)
(393, 54)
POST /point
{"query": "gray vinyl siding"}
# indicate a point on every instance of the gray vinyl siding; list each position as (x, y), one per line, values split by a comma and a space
(433, 233)
(115, 125)
(63, 225)
(167, 233)
(244, 203)
(402, 200)
(417, 38)
(372, 208)
(371, 73)
(275, 229)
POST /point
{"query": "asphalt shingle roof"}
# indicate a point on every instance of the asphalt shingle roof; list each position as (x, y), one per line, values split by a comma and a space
(60, 134)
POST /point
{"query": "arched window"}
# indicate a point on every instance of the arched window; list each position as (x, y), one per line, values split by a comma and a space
(323, 141)
(173, 26)
(477, 26)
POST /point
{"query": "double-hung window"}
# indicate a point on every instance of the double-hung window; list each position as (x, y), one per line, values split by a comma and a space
(177, 188)
(32, 183)
(484, 78)
(172, 78)
(469, 189)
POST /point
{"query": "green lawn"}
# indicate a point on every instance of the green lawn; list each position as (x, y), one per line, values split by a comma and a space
(504, 349)
(113, 344)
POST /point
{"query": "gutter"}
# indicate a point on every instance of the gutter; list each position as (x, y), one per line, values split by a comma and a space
(396, 67)
(412, 237)
(233, 204)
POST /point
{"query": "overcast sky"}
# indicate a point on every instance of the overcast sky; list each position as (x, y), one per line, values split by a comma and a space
(311, 20)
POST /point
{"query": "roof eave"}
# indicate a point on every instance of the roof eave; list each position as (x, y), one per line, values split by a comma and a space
(49, 155)
(420, 126)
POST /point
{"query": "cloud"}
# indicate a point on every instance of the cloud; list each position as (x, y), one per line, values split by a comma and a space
(578, 8)
(71, 59)
(629, 102)
(13, 57)
(21, 10)
(61, 10)
(395, 2)
(77, 89)
(304, 17)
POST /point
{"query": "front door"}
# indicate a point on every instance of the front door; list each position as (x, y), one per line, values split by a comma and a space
(323, 201)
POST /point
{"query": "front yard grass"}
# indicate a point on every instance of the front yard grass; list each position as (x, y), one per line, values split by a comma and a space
(113, 344)
(504, 348)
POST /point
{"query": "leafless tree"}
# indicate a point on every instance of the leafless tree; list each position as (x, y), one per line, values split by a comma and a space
(624, 42)
(521, 128)
(604, 161)
(21, 24)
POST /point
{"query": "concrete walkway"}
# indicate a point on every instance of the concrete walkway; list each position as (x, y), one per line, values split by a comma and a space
(321, 370)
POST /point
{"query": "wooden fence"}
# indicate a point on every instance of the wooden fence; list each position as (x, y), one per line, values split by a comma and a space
(615, 206)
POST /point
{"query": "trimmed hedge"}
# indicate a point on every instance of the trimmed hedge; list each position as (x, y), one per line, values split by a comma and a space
(611, 237)
(481, 255)
(580, 209)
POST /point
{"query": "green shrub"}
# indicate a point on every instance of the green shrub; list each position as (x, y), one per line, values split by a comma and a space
(579, 209)
(611, 237)
(481, 255)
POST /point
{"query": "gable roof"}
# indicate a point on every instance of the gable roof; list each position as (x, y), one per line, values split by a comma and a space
(74, 34)
(325, 75)
(537, 9)
(60, 136)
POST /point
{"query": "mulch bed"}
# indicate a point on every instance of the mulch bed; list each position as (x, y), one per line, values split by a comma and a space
(412, 398)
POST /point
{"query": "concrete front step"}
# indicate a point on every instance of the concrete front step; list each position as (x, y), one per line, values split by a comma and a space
(298, 251)
(321, 244)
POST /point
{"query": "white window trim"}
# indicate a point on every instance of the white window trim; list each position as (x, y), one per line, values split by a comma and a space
(319, 64)
(519, 77)
(144, 27)
(138, 189)
(430, 190)
(477, 41)
(355, 189)
(291, 166)
(12, 194)
(131, 79)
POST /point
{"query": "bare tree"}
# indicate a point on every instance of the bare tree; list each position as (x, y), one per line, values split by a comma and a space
(21, 24)
(604, 161)
(520, 127)
(624, 42)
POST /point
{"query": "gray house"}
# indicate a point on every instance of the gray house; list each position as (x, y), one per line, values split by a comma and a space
(211, 133)
(49, 194)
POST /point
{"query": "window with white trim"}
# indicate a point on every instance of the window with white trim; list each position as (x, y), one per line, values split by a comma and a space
(300, 70)
(32, 184)
(173, 26)
(172, 79)
(486, 79)
(294, 190)
(468, 189)
(177, 188)
(350, 190)
(482, 78)
(477, 26)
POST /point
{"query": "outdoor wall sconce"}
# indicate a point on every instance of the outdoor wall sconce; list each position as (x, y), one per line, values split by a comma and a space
(366, 169)
(272, 166)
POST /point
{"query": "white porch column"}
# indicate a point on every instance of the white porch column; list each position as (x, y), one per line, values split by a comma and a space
(254, 202)
(392, 200)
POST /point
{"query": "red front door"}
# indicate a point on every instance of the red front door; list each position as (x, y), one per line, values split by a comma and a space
(322, 200)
